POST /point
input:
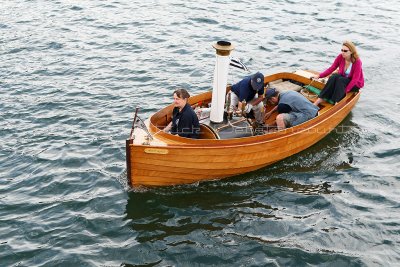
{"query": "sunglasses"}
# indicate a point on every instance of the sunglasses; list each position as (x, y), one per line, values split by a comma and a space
(345, 51)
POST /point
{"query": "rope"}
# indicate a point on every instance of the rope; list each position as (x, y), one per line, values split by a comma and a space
(305, 92)
(237, 127)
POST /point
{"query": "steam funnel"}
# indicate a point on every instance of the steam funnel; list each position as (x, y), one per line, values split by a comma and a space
(223, 49)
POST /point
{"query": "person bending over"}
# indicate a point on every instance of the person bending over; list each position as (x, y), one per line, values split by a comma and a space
(293, 108)
(251, 89)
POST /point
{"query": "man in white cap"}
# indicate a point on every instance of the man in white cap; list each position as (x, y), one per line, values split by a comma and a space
(250, 89)
(293, 108)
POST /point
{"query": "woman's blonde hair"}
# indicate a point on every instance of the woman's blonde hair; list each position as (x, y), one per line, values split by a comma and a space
(353, 50)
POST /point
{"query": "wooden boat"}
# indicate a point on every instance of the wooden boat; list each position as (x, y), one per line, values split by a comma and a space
(156, 158)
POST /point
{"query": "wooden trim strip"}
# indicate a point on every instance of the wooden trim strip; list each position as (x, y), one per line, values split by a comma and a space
(128, 161)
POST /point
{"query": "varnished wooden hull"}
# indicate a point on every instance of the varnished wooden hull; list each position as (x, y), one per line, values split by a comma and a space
(180, 160)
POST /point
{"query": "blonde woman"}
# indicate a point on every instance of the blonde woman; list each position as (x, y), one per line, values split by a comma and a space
(349, 77)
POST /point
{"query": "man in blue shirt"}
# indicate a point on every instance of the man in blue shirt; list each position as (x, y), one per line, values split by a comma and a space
(250, 89)
(293, 108)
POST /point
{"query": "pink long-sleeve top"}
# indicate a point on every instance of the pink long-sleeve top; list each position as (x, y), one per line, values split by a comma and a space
(356, 74)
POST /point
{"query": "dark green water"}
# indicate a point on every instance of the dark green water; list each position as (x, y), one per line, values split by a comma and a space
(71, 74)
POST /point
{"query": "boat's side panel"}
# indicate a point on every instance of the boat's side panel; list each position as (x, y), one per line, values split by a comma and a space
(174, 165)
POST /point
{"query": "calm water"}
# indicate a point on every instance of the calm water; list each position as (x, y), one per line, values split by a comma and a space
(71, 74)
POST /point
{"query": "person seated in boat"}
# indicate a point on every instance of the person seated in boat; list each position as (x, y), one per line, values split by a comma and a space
(350, 77)
(292, 106)
(251, 89)
(184, 120)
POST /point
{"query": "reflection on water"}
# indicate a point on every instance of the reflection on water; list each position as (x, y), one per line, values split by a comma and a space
(176, 213)
(233, 215)
(306, 189)
(159, 213)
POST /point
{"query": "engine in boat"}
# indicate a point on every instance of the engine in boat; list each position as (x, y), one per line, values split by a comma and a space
(237, 126)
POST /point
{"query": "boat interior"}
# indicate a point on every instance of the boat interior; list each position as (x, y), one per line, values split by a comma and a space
(243, 125)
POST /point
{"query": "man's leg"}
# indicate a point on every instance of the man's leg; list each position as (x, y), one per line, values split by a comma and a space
(280, 121)
(234, 101)
(259, 112)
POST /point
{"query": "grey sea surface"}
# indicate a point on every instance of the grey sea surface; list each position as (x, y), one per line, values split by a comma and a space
(71, 75)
